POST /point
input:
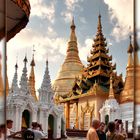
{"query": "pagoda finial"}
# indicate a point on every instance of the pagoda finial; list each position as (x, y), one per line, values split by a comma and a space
(25, 60)
(129, 51)
(72, 35)
(111, 92)
(99, 24)
(15, 80)
(130, 48)
(72, 23)
(24, 80)
(33, 62)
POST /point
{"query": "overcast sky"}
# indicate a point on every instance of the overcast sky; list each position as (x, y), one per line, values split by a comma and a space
(49, 30)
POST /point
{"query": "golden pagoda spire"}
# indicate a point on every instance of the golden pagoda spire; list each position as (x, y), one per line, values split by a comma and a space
(127, 95)
(32, 78)
(111, 91)
(129, 51)
(72, 50)
(72, 35)
(99, 27)
(1, 80)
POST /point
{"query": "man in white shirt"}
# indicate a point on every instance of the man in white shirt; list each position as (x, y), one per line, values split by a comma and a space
(9, 127)
(37, 133)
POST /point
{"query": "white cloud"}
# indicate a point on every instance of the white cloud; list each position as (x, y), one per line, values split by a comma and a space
(83, 20)
(52, 47)
(38, 8)
(72, 4)
(51, 32)
(121, 15)
(85, 50)
(67, 16)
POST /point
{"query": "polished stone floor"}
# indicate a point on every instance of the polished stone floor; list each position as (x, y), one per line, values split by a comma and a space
(80, 138)
(75, 138)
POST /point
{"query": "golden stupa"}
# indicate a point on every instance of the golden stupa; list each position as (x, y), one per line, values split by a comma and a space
(70, 68)
(131, 87)
(127, 94)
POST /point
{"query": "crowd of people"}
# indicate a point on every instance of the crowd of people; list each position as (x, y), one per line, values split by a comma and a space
(113, 131)
(34, 133)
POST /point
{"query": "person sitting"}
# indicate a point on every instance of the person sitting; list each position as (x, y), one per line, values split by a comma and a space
(38, 134)
(112, 134)
(100, 131)
(9, 127)
(28, 135)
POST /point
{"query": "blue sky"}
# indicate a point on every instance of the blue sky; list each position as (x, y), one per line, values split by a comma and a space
(49, 30)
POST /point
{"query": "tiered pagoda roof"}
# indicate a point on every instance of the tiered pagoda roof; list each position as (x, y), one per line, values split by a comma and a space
(99, 67)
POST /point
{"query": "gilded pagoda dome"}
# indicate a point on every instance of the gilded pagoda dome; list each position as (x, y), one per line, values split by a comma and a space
(132, 79)
(70, 68)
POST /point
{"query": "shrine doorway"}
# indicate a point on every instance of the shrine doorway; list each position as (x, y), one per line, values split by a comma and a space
(26, 118)
(63, 128)
(106, 119)
(50, 126)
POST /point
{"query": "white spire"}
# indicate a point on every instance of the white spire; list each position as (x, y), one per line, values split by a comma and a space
(15, 80)
(46, 92)
(24, 80)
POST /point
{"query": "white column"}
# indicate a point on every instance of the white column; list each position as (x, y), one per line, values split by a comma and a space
(57, 127)
(19, 121)
(102, 114)
(16, 119)
(46, 116)
(40, 116)
(34, 116)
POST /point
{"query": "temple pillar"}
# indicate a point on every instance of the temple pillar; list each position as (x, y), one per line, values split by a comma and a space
(34, 117)
(45, 123)
(67, 115)
(77, 121)
(57, 127)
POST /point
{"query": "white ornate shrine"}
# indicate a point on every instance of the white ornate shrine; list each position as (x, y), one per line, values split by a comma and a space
(24, 108)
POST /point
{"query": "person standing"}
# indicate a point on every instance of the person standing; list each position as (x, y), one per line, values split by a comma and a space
(92, 134)
(100, 131)
(112, 134)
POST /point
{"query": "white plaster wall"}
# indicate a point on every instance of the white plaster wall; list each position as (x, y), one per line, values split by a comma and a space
(127, 114)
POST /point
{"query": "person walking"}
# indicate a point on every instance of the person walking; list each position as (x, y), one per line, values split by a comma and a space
(92, 134)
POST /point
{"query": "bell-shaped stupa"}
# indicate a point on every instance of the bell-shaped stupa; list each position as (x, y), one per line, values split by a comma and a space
(70, 68)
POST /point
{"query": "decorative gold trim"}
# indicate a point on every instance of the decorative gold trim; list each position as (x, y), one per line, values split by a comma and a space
(86, 109)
